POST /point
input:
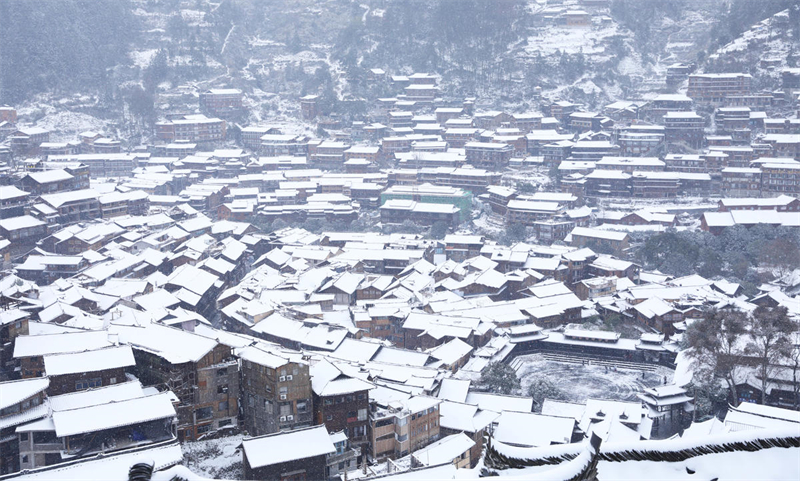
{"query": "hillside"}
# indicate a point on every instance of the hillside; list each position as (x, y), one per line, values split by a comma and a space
(145, 57)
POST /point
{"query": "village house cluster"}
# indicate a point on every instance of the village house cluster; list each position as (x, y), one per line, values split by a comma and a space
(176, 291)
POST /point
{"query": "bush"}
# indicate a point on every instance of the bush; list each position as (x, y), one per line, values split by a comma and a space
(499, 378)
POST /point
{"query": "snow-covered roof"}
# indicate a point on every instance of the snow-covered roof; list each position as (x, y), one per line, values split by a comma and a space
(15, 392)
(530, 429)
(175, 345)
(444, 450)
(29, 346)
(113, 414)
(500, 402)
(89, 361)
(115, 467)
(287, 446)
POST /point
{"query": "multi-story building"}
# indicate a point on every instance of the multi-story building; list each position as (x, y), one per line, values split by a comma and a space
(291, 456)
(784, 145)
(12, 201)
(192, 128)
(399, 428)
(72, 206)
(685, 163)
(462, 247)
(329, 154)
(221, 101)
(397, 211)
(712, 88)
(201, 372)
(655, 184)
(368, 152)
(640, 143)
(100, 165)
(631, 164)
(684, 127)
(677, 73)
(593, 150)
(586, 237)
(341, 402)
(488, 155)
(276, 391)
(251, 135)
(741, 182)
(661, 104)
(528, 212)
(273, 145)
(23, 401)
(780, 178)
(26, 141)
(309, 107)
(607, 183)
(431, 194)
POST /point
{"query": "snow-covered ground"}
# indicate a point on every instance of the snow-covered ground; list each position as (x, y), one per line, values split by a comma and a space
(581, 382)
(65, 125)
(142, 58)
(551, 40)
(215, 458)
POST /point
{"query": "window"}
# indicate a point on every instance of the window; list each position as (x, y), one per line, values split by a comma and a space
(268, 406)
(361, 396)
(302, 406)
(224, 422)
(329, 417)
(268, 388)
(203, 429)
(223, 405)
(25, 459)
(362, 414)
(88, 384)
(23, 436)
(204, 413)
(295, 370)
(222, 389)
(283, 390)
(45, 437)
(286, 409)
(223, 371)
(327, 402)
(349, 399)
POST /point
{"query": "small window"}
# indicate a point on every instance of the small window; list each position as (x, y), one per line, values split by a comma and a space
(302, 406)
(204, 413)
(327, 402)
(25, 459)
(295, 370)
(222, 372)
(222, 389)
(203, 429)
(329, 417)
(223, 405)
(23, 436)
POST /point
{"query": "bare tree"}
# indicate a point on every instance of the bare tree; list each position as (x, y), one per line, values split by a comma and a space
(769, 332)
(715, 345)
(794, 364)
